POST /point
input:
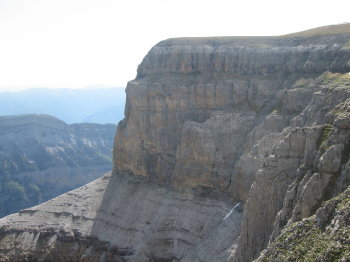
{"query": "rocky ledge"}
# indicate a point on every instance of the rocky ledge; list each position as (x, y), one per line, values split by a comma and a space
(225, 142)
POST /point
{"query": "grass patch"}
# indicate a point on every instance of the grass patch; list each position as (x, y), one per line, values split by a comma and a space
(324, 30)
(304, 241)
(304, 82)
(103, 157)
(322, 142)
(333, 80)
(341, 111)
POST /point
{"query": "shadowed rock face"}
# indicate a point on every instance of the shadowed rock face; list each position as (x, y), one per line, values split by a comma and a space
(119, 218)
(225, 141)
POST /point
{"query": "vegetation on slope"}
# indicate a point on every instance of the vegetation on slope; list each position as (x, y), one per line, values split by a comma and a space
(322, 237)
(323, 30)
(42, 157)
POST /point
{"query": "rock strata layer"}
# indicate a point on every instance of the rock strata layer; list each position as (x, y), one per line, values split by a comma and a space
(225, 142)
(120, 218)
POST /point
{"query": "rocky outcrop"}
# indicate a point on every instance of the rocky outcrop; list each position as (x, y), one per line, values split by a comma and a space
(321, 237)
(225, 142)
(306, 167)
(42, 157)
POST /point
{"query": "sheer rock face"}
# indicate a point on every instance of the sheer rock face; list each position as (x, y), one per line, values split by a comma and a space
(165, 114)
(246, 55)
(224, 142)
(194, 98)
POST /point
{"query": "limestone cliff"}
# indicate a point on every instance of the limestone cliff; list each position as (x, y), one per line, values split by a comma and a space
(42, 157)
(197, 105)
(225, 142)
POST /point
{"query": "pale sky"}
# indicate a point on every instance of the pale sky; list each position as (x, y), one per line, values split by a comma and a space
(76, 43)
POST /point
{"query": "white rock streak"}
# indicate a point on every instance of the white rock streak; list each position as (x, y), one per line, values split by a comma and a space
(231, 211)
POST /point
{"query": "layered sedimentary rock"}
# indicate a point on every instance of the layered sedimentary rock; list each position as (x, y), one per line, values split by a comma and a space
(42, 157)
(197, 105)
(225, 142)
(120, 218)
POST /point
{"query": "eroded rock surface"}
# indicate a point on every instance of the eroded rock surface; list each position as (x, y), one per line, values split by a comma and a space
(225, 142)
(321, 237)
(308, 165)
(123, 218)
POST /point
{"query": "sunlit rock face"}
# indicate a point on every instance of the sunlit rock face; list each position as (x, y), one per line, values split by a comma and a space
(198, 104)
(225, 141)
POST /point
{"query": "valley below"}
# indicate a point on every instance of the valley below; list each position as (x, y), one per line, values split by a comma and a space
(42, 157)
(232, 149)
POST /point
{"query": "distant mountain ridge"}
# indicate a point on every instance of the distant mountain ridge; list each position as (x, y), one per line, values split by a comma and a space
(229, 145)
(89, 105)
(42, 157)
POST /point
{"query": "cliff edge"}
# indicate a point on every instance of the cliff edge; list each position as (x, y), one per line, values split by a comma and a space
(225, 142)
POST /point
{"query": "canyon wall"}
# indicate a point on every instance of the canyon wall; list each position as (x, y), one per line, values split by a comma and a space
(198, 106)
(225, 142)
(42, 157)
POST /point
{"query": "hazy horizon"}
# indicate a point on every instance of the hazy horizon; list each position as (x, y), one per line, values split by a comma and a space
(17, 89)
(77, 43)
(90, 105)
